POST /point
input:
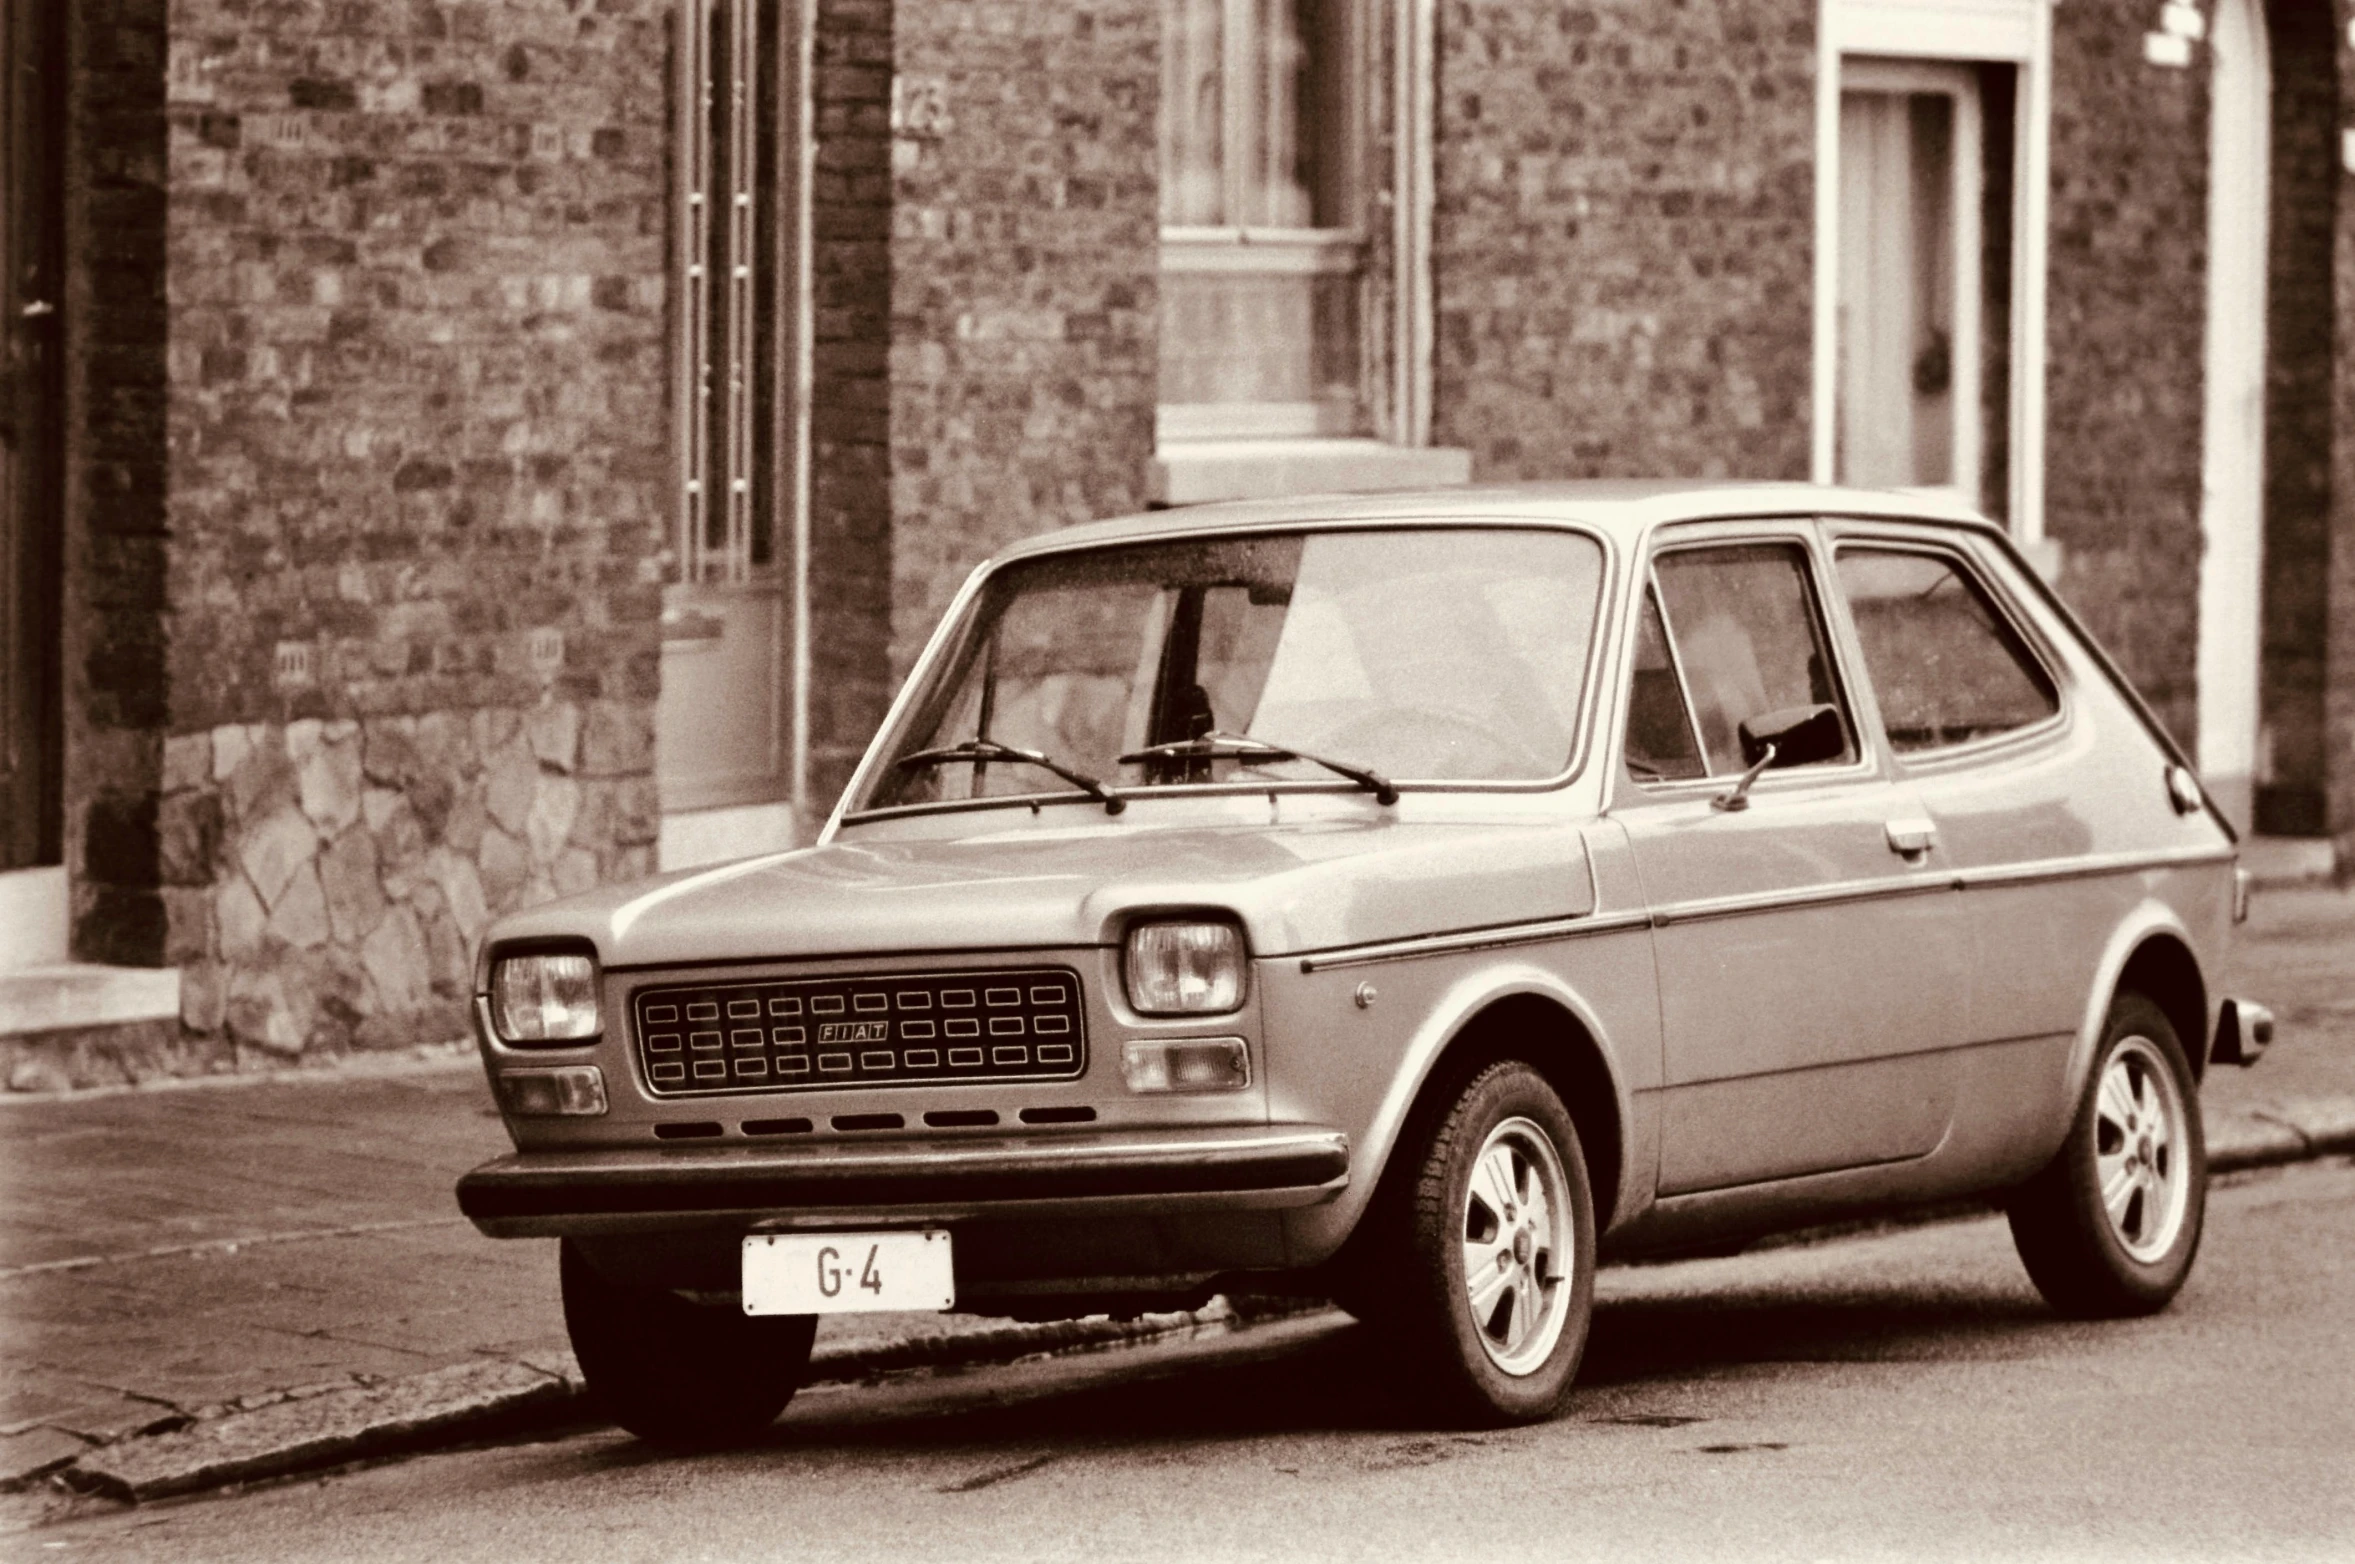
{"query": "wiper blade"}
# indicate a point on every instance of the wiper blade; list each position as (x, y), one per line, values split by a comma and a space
(991, 749)
(1234, 746)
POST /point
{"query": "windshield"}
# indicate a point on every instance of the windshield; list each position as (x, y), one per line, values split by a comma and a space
(1435, 655)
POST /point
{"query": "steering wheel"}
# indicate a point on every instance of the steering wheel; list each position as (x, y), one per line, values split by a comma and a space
(1472, 751)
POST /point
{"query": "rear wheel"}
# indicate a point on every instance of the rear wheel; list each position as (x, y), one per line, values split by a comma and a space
(2109, 1228)
(675, 1371)
(1491, 1280)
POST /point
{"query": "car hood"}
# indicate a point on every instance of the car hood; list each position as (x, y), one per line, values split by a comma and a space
(1311, 886)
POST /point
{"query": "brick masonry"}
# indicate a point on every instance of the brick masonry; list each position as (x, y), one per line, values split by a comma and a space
(1025, 241)
(2339, 699)
(851, 529)
(1623, 243)
(372, 494)
(985, 244)
(2124, 385)
(2300, 338)
(369, 475)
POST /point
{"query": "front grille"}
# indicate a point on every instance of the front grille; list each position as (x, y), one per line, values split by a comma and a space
(895, 1029)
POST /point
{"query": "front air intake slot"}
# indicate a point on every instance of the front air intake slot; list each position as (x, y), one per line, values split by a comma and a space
(869, 1121)
(1058, 1115)
(962, 1119)
(686, 1131)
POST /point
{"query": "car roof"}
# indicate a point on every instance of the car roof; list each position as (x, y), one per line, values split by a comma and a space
(1621, 508)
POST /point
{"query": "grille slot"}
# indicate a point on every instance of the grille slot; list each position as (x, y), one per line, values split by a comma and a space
(867, 1029)
(1058, 1115)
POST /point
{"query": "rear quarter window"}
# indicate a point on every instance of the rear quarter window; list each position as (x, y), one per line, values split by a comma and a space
(1947, 665)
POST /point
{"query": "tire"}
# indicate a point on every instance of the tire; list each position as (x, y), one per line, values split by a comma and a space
(1463, 1273)
(2138, 1129)
(674, 1371)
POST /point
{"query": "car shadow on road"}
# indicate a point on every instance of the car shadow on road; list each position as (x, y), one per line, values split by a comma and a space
(1326, 1374)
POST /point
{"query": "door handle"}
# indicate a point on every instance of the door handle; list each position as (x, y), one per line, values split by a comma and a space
(1909, 837)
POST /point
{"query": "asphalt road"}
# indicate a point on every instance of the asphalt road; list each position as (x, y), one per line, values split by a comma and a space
(1903, 1395)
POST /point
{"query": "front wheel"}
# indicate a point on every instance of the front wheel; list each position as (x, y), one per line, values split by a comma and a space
(674, 1371)
(2110, 1226)
(1493, 1265)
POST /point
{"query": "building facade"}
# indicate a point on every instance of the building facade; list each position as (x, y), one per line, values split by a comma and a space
(461, 451)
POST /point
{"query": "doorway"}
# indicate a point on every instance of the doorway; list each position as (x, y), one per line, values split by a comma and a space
(31, 388)
(733, 703)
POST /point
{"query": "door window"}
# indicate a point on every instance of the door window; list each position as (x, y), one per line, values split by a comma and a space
(1662, 744)
(1945, 665)
(1743, 628)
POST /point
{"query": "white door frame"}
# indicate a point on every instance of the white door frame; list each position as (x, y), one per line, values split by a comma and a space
(2014, 32)
(2232, 449)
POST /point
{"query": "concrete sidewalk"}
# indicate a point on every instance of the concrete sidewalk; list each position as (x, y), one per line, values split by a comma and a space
(214, 1283)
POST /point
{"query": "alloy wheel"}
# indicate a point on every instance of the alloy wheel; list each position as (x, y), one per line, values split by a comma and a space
(2138, 1149)
(1518, 1246)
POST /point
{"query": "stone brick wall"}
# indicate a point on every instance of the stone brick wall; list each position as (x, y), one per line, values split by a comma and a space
(2124, 384)
(850, 406)
(374, 496)
(2339, 701)
(346, 868)
(985, 246)
(116, 493)
(1624, 237)
(2300, 345)
(1025, 245)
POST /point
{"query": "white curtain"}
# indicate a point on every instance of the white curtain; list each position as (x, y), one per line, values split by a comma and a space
(1897, 289)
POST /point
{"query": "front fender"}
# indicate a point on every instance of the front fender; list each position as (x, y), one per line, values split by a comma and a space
(1333, 1057)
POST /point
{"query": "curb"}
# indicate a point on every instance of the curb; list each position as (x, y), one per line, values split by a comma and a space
(497, 1398)
(2276, 1133)
(504, 1398)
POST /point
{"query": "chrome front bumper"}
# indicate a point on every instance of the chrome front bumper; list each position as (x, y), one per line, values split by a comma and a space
(826, 1184)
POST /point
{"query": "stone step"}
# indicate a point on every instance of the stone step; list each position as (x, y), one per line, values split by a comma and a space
(74, 1024)
(57, 995)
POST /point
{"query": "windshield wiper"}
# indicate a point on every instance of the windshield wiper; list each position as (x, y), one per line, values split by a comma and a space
(991, 749)
(1234, 746)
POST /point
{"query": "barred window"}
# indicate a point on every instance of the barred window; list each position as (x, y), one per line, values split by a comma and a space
(729, 364)
(724, 722)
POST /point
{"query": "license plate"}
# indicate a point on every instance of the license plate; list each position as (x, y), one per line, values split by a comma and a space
(847, 1273)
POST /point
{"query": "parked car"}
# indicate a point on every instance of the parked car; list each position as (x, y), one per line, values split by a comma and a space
(1408, 900)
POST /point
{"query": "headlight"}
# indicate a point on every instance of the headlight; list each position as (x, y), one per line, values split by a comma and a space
(1185, 968)
(545, 998)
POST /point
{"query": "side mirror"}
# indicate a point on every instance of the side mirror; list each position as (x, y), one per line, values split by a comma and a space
(1800, 735)
(1793, 736)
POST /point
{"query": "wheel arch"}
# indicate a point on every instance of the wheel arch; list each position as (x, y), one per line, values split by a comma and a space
(2152, 953)
(1529, 1014)
(2163, 967)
